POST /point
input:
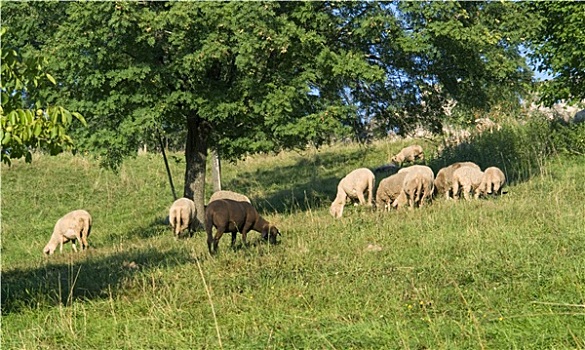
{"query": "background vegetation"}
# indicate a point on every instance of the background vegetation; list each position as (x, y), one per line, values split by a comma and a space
(254, 81)
(267, 76)
(504, 272)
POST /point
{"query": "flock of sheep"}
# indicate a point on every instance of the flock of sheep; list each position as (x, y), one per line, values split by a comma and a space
(231, 212)
(414, 185)
(227, 211)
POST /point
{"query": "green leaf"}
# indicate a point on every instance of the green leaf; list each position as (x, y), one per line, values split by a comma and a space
(6, 139)
(38, 128)
(13, 117)
(51, 79)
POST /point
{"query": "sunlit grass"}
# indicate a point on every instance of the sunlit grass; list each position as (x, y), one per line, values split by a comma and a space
(505, 272)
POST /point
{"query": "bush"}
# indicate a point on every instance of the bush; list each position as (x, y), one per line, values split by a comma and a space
(518, 149)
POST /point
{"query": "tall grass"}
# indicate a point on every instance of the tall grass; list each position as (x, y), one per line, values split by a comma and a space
(506, 272)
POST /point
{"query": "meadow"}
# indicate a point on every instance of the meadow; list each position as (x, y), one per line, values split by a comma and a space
(497, 273)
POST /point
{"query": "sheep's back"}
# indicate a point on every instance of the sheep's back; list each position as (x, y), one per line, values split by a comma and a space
(73, 220)
(358, 179)
(184, 203)
(223, 194)
(392, 185)
(467, 173)
(224, 212)
(495, 173)
(444, 178)
(424, 170)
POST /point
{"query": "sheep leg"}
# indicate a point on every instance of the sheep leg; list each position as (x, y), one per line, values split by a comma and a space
(234, 235)
(218, 235)
(466, 191)
(61, 241)
(497, 189)
(361, 198)
(213, 242)
(456, 190)
(370, 191)
(77, 239)
(84, 234)
(84, 244)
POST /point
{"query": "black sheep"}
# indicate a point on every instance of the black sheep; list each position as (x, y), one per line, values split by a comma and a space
(232, 216)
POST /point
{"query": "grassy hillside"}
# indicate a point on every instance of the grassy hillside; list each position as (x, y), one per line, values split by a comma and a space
(499, 273)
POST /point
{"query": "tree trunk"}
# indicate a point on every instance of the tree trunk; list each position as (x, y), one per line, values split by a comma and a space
(215, 170)
(196, 158)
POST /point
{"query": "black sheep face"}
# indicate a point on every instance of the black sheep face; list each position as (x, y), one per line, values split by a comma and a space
(271, 234)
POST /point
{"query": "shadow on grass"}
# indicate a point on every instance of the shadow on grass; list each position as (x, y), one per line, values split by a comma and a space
(81, 278)
(305, 185)
(519, 150)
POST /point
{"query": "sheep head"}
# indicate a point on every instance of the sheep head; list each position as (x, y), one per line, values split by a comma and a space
(50, 248)
(270, 232)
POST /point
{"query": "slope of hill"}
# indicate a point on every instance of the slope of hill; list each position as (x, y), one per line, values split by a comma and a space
(504, 272)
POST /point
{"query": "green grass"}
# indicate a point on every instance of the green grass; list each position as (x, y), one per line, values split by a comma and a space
(502, 273)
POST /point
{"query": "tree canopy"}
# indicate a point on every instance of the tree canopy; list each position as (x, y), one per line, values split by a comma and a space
(558, 47)
(26, 121)
(263, 76)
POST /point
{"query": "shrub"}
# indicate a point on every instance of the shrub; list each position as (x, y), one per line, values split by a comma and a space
(519, 149)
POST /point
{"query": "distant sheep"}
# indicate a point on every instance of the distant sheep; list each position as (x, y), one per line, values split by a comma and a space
(486, 124)
(492, 182)
(229, 195)
(444, 178)
(183, 215)
(233, 216)
(74, 226)
(468, 179)
(388, 190)
(417, 186)
(408, 154)
(353, 185)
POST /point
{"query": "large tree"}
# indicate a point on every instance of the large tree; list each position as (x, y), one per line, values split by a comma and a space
(558, 48)
(435, 51)
(241, 77)
(244, 77)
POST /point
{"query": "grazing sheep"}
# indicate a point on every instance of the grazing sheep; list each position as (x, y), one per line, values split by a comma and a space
(388, 190)
(74, 226)
(468, 178)
(417, 186)
(229, 195)
(232, 216)
(353, 185)
(444, 178)
(492, 182)
(408, 154)
(183, 215)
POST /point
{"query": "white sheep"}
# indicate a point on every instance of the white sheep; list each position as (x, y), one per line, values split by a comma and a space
(444, 178)
(408, 154)
(388, 190)
(223, 194)
(417, 186)
(467, 178)
(75, 227)
(183, 215)
(492, 182)
(353, 185)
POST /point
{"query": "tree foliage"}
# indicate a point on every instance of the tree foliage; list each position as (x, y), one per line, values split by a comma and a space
(558, 47)
(27, 123)
(248, 77)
